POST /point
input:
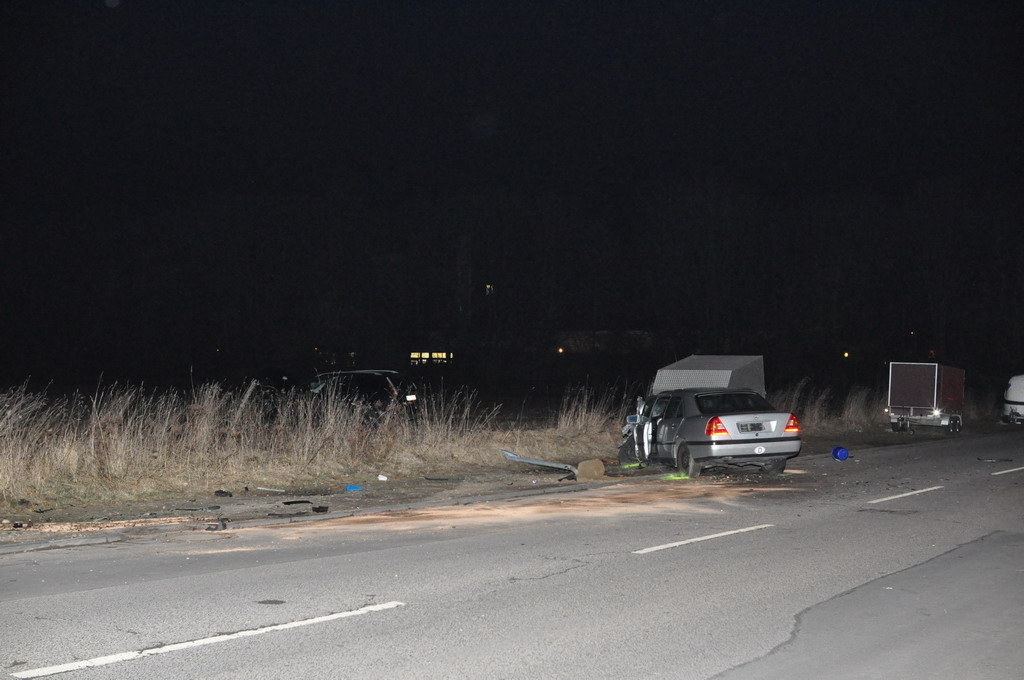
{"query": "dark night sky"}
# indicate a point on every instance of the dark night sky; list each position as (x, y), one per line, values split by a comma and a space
(795, 179)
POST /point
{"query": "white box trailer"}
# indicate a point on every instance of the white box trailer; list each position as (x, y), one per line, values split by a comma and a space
(712, 370)
(1013, 400)
(925, 394)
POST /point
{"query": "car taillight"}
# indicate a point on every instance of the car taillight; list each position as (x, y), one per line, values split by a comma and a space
(792, 427)
(715, 428)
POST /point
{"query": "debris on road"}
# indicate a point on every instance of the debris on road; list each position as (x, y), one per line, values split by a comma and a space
(320, 508)
(297, 502)
(263, 488)
(223, 494)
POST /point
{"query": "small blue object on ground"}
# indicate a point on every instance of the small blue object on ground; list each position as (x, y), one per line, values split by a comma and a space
(839, 453)
(353, 487)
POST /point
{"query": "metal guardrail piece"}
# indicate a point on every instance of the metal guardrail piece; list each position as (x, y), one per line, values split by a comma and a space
(515, 458)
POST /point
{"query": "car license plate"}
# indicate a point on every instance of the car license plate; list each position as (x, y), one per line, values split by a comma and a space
(751, 427)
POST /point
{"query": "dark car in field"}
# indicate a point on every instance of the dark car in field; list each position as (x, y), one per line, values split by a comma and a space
(376, 389)
(695, 428)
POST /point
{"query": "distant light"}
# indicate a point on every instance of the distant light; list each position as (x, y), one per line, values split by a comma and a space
(489, 289)
(911, 332)
(561, 350)
(846, 355)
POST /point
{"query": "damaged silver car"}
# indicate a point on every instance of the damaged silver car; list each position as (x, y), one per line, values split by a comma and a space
(697, 428)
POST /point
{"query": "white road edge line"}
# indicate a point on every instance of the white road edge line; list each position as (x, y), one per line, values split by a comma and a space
(904, 495)
(1003, 472)
(644, 551)
(128, 656)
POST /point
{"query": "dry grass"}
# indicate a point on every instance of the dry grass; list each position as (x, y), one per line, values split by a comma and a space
(123, 443)
(820, 408)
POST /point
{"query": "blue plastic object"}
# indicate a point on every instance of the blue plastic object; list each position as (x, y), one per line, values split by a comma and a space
(353, 487)
(839, 453)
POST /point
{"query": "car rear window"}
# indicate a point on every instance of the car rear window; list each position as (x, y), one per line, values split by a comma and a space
(732, 402)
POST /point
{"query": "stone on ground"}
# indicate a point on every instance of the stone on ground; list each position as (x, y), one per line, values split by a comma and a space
(590, 470)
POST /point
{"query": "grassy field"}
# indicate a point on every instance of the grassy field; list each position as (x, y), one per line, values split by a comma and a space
(123, 442)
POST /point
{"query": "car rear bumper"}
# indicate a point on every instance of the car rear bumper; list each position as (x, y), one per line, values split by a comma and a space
(744, 451)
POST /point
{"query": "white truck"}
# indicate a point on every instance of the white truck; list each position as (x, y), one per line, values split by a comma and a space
(1013, 401)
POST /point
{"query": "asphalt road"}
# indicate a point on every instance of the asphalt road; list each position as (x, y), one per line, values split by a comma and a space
(897, 563)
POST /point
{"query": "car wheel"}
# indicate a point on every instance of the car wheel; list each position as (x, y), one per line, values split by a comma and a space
(775, 467)
(685, 462)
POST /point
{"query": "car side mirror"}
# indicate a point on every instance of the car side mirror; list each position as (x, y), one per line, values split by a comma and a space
(633, 419)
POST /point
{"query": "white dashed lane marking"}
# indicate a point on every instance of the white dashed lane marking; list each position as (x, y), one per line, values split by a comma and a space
(1003, 472)
(700, 538)
(904, 495)
(139, 654)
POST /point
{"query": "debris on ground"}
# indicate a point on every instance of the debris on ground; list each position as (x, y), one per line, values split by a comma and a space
(516, 458)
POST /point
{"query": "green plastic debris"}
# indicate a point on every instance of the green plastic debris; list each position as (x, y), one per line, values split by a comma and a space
(677, 475)
(630, 465)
